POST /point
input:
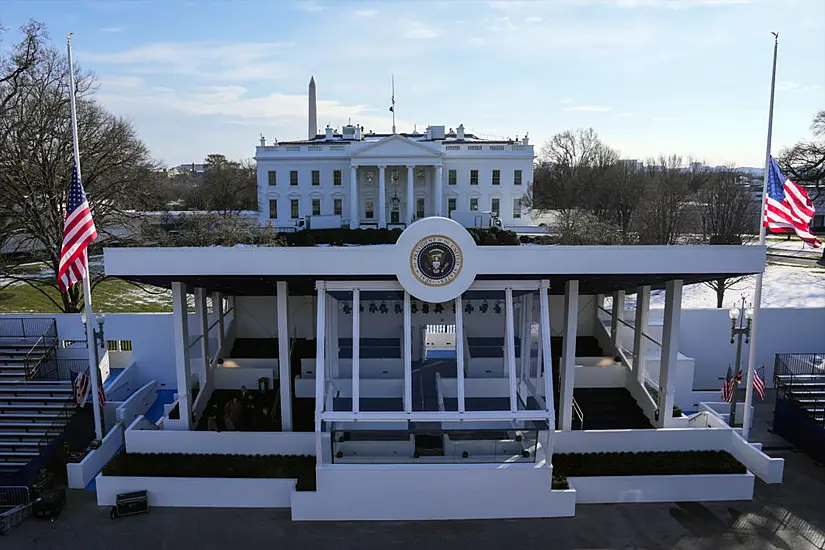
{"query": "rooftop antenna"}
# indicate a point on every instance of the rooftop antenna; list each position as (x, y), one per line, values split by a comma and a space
(392, 107)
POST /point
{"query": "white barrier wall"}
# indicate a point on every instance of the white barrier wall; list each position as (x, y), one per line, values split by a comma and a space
(137, 405)
(228, 378)
(125, 384)
(634, 441)
(689, 488)
(240, 443)
(82, 473)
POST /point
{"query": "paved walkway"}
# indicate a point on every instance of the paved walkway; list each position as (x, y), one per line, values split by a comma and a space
(786, 516)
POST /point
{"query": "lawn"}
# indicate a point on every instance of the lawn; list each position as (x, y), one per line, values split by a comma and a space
(110, 296)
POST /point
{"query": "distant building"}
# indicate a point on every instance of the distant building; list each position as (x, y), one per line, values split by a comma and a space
(192, 169)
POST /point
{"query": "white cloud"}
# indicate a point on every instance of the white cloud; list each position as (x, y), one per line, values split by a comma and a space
(566, 100)
(218, 61)
(111, 29)
(533, 19)
(502, 24)
(794, 87)
(624, 115)
(311, 6)
(419, 31)
(365, 14)
(119, 82)
(589, 109)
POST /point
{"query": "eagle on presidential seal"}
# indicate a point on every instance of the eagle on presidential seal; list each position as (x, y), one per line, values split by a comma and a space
(436, 260)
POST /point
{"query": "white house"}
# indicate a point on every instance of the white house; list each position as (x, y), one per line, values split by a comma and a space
(368, 180)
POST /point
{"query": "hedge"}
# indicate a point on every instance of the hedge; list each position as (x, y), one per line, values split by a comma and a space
(646, 464)
(363, 237)
(560, 483)
(297, 467)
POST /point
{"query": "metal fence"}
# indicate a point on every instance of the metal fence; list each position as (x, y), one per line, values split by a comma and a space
(14, 496)
(58, 369)
(28, 328)
(799, 364)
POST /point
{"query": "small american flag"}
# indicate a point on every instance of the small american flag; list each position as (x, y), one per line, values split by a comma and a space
(78, 232)
(788, 209)
(81, 389)
(727, 386)
(759, 382)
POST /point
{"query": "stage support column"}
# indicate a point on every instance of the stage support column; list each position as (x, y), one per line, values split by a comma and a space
(617, 316)
(202, 315)
(407, 353)
(180, 319)
(670, 351)
(459, 351)
(639, 328)
(546, 356)
(284, 360)
(320, 371)
(510, 347)
(356, 350)
(525, 319)
(568, 354)
(217, 311)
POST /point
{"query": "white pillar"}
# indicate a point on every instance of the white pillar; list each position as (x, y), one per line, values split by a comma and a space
(526, 336)
(202, 316)
(509, 347)
(320, 375)
(410, 193)
(407, 353)
(217, 311)
(568, 354)
(284, 361)
(439, 190)
(356, 350)
(180, 317)
(382, 197)
(547, 353)
(640, 326)
(670, 351)
(354, 218)
(459, 351)
(616, 316)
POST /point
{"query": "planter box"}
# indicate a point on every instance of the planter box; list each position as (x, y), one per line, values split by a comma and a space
(677, 488)
(199, 492)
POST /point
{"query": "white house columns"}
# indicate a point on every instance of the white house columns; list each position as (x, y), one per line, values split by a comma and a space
(439, 190)
(354, 217)
(382, 197)
(670, 351)
(410, 193)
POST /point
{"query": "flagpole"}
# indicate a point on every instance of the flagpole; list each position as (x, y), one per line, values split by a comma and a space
(747, 419)
(393, 104)
(91, 344)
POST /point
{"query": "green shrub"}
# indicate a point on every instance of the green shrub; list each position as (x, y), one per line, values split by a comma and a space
(560, 483)
(677, 412)
(297, 467)
(646, 464)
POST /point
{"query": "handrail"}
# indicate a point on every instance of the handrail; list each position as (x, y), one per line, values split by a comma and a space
(210, 327)
(577, 410)
(628, 325)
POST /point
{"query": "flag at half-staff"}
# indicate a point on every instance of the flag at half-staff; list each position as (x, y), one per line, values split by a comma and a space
(78, 232)
(788, 208)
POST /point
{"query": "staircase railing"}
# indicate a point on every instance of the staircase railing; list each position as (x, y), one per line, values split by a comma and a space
(44, 350)
(793, 368)
(577, 410)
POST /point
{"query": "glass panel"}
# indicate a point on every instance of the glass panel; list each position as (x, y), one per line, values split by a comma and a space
(491, 442)
(486, 386)
(339, 336)
(433, 353)
(381, 372)
(528, 332)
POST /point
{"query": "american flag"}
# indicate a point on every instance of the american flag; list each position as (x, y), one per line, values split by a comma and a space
(759, 382)
(81, 389)
(78, 231)
(729, 386)
(788, 208)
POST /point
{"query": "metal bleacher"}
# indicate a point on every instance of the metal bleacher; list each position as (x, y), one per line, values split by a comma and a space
(799, 411)
(35, 404)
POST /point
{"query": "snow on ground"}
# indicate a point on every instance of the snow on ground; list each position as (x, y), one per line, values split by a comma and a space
(782, 286)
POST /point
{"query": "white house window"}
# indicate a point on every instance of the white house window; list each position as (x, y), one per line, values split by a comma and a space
(337, 206)
(336, 177)
(450, 205)
(517, 207)
(316, 177)
(272, 178)
(369, 209)
(293, 209)
(419, 207)
(111, 345)
(496, 177)
(452, 177)
(473, 177)
(495, 205)
(517, 177)
(273, 209)
(316, 207)
(473, 204)
(293, 178)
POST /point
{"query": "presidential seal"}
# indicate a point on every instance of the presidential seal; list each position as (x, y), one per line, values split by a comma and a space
(436, 260)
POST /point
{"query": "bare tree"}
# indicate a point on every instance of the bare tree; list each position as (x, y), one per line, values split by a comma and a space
(209, 229)
(227, 187)
(661, 214)
(21, 58)
(36, 160)
(804, 163)
(727, 216)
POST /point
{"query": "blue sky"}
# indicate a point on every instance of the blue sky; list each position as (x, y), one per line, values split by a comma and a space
(689, 77)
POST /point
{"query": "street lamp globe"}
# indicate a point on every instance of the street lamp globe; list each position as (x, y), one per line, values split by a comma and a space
(733, 313)
(749, 313)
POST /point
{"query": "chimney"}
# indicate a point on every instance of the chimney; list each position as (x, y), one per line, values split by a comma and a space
(313, 113)
(460, 133)
(263, 141)
(328, 131)
(526, 140)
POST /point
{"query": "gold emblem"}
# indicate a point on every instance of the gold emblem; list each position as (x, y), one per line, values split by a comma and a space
(436, 260)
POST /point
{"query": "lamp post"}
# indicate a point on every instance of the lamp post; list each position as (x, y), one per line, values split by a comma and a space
(98, 341)
(736, 334)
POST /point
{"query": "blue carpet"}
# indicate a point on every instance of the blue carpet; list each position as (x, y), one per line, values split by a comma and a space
(440, 354)
(156, 410)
